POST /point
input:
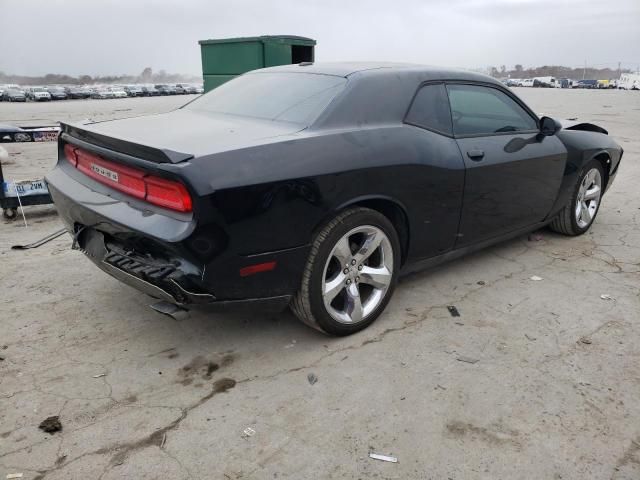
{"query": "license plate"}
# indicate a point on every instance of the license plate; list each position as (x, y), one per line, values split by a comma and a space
(45, 136)
(25, 189)
(105, 172)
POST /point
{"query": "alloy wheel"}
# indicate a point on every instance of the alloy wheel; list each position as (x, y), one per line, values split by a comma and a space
(357, 274)
(588, 198)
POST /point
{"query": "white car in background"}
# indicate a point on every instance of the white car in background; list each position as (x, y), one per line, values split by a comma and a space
(118, 92)
(527, 82)
(38, 94)
(101, 93)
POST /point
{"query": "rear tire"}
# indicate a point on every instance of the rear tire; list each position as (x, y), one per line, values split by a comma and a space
(351, 273)
(581, 209)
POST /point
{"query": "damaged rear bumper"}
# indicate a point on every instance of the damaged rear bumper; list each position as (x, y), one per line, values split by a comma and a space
(155, 253)
(160, 279)
(154, 277)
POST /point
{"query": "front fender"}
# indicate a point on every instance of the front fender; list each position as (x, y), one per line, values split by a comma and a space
(582, 147)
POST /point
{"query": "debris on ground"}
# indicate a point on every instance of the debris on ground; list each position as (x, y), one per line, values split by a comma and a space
(585, 340)
(530, 337)
(312, 378)
(292, 344)
(1, 359)
(13, 475)
(384, 458)
(42, 241)
(170, 309)
(51, 424)
(248, 432)
(480, 282)
(606, 296)
(440, 387)
(535, 278)
(464, 359)
(453, 311)
(100, 375)
(459, 323)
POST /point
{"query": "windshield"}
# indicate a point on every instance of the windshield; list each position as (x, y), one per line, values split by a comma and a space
(286, 97)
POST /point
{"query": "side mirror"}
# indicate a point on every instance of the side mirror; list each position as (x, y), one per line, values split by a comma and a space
(549, 127)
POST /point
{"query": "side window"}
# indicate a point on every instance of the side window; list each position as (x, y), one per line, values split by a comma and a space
(430, 109)
(483, 110)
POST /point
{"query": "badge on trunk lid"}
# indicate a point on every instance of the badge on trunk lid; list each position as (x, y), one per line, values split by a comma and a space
(105, 172)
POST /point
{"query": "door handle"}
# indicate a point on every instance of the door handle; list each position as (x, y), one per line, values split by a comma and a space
(475, 155)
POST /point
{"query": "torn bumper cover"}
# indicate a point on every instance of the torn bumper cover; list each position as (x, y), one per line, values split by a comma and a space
(155, 277)
(159, 278)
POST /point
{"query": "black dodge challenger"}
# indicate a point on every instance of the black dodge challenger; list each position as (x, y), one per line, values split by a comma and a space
(316, 186)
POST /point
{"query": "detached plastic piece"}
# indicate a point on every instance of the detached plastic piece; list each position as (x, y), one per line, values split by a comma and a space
(170, 309)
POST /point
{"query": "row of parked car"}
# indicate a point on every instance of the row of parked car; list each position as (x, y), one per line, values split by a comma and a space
(626, 82)
(14, 93)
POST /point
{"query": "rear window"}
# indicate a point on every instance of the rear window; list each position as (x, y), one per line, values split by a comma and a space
(430, 109)
(283, 97)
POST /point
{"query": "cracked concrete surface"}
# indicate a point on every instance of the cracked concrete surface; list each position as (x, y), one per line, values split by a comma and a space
(175, 397)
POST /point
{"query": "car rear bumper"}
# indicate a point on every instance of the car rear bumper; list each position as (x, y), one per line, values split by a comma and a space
(161, 280)
(154, 253)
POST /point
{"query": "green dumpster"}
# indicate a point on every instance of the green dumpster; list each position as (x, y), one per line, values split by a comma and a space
(225, 58)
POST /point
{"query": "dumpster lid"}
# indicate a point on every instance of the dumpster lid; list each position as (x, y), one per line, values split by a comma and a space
(292, 39)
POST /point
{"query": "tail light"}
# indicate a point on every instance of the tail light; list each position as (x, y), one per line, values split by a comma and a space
(137, 183)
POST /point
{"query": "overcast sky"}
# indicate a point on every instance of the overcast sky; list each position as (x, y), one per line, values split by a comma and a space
(125, 36)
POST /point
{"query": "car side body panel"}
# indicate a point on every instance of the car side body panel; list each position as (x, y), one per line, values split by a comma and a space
(515, 184)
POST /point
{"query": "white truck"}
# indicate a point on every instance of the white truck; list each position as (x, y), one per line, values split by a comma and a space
(549, 82)
(629, 81)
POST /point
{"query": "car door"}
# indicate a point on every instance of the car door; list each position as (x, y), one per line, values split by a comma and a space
(437, 184)
(513, 173)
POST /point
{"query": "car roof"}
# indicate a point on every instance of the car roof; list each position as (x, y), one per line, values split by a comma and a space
(346, 69)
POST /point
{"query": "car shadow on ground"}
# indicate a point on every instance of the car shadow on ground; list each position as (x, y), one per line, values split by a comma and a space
(218, 329)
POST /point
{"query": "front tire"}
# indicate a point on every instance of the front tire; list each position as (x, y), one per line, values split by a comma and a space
(579, 213)
(351, 273)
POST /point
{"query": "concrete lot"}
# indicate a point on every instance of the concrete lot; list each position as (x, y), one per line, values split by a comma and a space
(554, 394)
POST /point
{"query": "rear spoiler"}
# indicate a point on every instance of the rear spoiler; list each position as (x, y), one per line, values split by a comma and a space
(76, 134)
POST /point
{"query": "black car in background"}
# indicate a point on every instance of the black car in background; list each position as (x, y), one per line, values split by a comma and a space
(166, 89)
(77, 93)
(586, 84)
(57, 93)
(14, 95)
(317, 186)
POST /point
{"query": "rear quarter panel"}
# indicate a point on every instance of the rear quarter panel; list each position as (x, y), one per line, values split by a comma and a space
(277, 196)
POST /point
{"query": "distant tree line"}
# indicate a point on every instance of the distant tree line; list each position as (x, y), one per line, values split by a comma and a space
(557, 71)
(147, 76)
